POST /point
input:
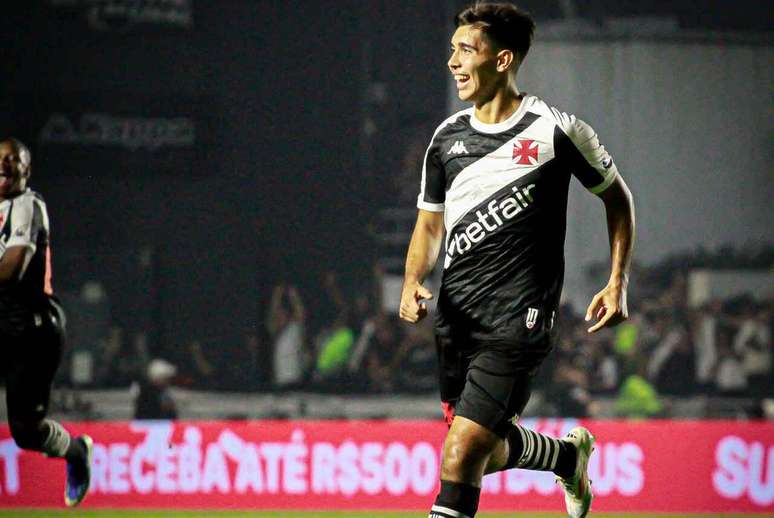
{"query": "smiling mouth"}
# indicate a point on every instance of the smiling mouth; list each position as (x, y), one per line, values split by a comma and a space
(461, 79)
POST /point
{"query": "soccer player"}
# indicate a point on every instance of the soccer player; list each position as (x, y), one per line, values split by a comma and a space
(495, 177)
(32, 322)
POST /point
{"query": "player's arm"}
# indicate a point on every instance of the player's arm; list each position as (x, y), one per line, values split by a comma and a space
(428, 233)
(25, 223)
(272, 320)
(609, 305)
(13, 263)
(593, 166)
(296, 304)
(422, 254)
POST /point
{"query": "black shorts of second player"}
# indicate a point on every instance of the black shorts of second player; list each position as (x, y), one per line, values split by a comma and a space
(31, 358)
(490, 382)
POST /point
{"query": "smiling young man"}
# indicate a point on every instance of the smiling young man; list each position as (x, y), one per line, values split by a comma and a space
(495, 178)
(32, 322)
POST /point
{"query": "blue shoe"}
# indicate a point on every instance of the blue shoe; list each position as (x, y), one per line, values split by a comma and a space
(79, 474)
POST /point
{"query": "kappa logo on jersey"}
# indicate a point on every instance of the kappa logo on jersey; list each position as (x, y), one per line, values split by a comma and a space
(532, 315)
(525, 152)
(457, 149)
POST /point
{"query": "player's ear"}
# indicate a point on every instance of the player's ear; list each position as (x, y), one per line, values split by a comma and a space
(506, 60)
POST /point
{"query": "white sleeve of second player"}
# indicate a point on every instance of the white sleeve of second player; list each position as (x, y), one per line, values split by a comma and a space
(22, 224)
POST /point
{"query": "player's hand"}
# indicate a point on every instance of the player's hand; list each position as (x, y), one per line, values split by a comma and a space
(412, 307)
(608, 307)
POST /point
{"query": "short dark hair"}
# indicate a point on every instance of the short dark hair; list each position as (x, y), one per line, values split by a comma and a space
(507, 26)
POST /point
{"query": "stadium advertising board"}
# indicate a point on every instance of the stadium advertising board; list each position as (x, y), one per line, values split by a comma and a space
(115, 134)
(678, 466)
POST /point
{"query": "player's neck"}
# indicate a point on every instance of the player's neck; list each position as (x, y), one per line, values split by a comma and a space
(501, 106)
(12, 195)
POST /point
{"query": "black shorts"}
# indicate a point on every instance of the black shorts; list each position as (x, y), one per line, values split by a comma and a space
(31, 358)
(489, 381)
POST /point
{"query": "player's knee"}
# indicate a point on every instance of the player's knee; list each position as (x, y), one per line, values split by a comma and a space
(466, 452)
(26, 433)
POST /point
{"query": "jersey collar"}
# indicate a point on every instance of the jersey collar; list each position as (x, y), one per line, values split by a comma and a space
(21, 193)
(505, 125)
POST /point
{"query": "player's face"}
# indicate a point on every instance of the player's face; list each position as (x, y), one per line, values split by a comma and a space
(14, 170)
(473, 63)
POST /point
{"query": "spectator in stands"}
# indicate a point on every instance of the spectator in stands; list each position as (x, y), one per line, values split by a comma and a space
(334, 348)
(730, 378)
(570, 381)
(108, 358)
(285, 325)
(199, 371)
(334, 342)
(638, 398)
(416, 364)
(705, 342)
(752, 342)
(380, 361)
(245, 361)
(121, 363)
(608, 369)
(671, 363)
(153, 398)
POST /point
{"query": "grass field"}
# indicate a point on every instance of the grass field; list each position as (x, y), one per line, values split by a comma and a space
(19, 513)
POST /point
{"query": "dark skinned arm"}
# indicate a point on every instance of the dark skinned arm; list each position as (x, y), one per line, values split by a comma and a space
(12, 264)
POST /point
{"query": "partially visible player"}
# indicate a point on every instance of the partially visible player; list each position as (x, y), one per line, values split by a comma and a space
(32, 322)
(495, 178)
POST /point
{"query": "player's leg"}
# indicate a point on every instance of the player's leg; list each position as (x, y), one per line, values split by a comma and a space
(524, 448)
(466, 452)
(27, 396)
(476, 439)
(460, 486)
(35, 356)
(567, 457)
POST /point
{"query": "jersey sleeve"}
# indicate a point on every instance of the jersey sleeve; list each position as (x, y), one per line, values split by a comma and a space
(432, 191)
(589, 162)
(25, 222)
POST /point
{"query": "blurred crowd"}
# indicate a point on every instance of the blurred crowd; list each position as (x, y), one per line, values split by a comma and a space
(330, 339)
(722, 348)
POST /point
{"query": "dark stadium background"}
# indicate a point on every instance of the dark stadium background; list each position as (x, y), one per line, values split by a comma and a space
(279, 179)
(193, 162)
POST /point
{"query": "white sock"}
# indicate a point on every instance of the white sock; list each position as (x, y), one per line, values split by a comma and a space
(58, 440)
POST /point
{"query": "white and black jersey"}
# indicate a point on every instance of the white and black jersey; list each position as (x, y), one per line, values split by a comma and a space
(503, 190)
(24, 222)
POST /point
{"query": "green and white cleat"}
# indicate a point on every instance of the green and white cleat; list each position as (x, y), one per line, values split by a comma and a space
(577, 489)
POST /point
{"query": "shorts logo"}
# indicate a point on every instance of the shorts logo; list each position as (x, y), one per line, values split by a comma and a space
(532, 315)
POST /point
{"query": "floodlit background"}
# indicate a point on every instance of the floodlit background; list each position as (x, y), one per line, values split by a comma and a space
(232, 189)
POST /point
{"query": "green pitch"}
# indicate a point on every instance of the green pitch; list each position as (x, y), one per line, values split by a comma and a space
(19, 513)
